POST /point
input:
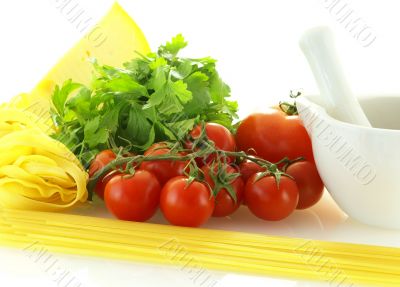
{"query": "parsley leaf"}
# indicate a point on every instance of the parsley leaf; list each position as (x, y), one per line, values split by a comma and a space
(60, 95)
(171, 49)
(93, 134)
(198, 84)
(154, 97)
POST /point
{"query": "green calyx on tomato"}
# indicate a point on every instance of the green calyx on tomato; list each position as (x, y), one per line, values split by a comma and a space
(220, 176)
(189, 157)
(290, 108)
(227, 187)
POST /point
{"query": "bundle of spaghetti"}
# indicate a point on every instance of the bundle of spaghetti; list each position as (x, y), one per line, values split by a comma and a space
(213, 249)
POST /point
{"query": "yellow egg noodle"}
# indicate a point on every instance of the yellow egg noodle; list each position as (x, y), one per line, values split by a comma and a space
(213, 249)
(36, 171)
(14, 119)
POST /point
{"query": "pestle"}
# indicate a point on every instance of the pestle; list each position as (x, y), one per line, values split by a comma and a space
(318, 47)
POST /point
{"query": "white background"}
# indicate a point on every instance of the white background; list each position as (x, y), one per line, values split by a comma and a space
(256, 44)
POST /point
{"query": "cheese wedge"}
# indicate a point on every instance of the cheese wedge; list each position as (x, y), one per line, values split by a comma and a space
(112, 41)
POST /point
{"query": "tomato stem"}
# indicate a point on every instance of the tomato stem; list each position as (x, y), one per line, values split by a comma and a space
(287, 162)
(290, 108)
(134, 161)
(201, 148)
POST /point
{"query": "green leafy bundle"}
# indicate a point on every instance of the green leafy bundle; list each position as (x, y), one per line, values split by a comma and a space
(155, 97)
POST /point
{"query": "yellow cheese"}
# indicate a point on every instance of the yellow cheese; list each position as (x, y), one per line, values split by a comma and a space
(112, 41)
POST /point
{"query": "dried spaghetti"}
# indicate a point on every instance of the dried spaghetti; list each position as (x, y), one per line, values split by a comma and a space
(224, 250)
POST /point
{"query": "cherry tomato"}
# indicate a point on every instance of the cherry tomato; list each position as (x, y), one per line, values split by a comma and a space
(156, 146)
(220, 135)
(133, 197)
(186, 205)
(248, 168)
(267, 201)
(224, 202)
(274, 135)
(101, 160)
(163, 169)
(308, 181)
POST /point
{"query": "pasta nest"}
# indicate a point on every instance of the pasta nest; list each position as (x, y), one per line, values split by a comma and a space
(37, 172)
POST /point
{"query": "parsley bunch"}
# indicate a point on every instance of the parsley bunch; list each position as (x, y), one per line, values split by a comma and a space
(155, 97)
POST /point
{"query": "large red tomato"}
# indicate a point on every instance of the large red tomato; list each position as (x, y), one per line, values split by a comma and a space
(274, 135)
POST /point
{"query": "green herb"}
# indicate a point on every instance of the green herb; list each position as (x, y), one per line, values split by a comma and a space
(155, 97)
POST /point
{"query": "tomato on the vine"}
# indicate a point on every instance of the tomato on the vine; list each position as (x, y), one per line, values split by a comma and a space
(274, 135)
(163, 169)
(133, 197)
(268, 201)
(248, 168)
(308, 181)
(101, 160)
(219, 135)
(186, 204)
(225, 204)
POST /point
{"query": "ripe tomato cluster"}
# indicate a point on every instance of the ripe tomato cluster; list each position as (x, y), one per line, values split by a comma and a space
(267, 165)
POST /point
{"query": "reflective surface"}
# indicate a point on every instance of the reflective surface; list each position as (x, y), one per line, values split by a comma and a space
(101, 272)
(324, 221)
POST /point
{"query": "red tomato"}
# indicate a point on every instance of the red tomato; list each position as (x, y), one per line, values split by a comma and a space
(186, 205)
(156, 146)
(308, 181)
(224, 203)
(248, 168)
(220, 135)
(267, 201)
(101, 160)
(133, 198)
(163, 169)
(274, 135)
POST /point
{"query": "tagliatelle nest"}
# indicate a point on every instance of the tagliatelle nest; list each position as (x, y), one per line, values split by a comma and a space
(36, 171)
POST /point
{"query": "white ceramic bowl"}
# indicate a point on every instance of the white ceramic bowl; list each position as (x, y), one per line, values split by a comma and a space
(360, 166)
